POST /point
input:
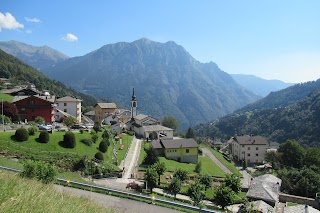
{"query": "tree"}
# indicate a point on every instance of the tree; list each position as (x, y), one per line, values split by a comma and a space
(151, 178)
(44, 137)
(105, 134)
(39, 170)
(151, 156)
(312, 157)
(206, 180)
(21, 134)
(175, 186)
(69, 140)
(97, 126)
(198, 167)
(182, 175)
(196, 194)
(39, 120)
(103, 146)
(10, 110)
(99, 156)
(170, 122)
(160, 167)
(233, 182)
(190, 133)
(224, 196)
(292, 154)
(70, 121)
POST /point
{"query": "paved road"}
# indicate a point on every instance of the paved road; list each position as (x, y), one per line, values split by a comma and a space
(116, 203)
(207, 152)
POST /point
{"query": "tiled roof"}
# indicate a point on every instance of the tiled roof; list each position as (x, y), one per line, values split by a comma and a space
(90, 113)
(107, 105)
(68, 98)
(156, 128)
(140, 117)
(265, 187)
(174, 143)
(261, 206)
(250, 140)
(50, 98)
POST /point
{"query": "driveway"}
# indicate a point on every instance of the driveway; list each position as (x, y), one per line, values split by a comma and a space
(207, 152)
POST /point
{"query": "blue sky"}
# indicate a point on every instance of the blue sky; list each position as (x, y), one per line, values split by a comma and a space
(270, 39)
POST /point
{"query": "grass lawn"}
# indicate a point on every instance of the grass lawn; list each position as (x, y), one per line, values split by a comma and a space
(6, 97)
(228, 164)
(11, 163)
(208, 167)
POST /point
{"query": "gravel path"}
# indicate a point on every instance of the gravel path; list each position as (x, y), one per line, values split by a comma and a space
(207, 152)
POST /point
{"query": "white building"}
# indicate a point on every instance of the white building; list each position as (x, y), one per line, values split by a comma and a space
(68, 105)
(252, 149)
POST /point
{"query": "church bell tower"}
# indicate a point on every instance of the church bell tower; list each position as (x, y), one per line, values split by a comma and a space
(133, 105)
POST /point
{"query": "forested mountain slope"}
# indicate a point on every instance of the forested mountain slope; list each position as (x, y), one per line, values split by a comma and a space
(20, 73)
(300, 121)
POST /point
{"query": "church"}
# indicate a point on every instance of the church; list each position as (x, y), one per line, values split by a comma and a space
(145, 126)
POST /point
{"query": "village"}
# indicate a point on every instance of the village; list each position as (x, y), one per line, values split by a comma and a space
(249, 152)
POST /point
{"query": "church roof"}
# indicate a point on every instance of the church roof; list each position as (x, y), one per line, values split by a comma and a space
(156, 128)
(140, 117)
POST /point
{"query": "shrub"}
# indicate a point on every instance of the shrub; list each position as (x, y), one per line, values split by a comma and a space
(97, 126)
(103, 146)
(105, 134)
(44, 137)
(198, 167)
(32, 130)
(106, 141)
(39, 170)
(69, 140)
(81, 131)
(87, 141)
(21, 134)
(39, 120)
(99, 156)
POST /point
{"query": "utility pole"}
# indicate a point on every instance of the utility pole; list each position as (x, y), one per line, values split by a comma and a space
(2, 114)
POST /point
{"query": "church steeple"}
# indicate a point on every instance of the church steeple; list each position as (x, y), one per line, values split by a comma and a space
(133, 105)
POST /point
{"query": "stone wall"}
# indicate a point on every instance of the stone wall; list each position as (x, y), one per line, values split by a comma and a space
(283, 198)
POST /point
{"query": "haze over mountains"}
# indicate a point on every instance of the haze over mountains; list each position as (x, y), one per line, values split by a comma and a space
(167, 79)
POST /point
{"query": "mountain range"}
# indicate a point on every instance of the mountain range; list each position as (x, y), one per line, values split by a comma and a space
(167, 79)
(291, 113)
(37, 57)
(260, 86)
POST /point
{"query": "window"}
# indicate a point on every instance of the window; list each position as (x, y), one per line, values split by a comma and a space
(257, 154)
(187, 150)
(248, 154)
(248, 148)
(257, 148)
(31, 102)
(23, 109)
(64, 104)
(242, 152)
(57, 104)
(65, 110)
(242, 145)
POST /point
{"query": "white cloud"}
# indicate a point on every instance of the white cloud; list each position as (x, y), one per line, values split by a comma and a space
(29, 31)
(70, 37)
(8, 21)
(35, 20)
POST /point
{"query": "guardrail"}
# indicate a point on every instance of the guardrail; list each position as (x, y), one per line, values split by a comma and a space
(167, 202)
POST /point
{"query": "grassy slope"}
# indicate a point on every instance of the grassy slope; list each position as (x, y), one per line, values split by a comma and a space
(24, 195)
(53, 146)
(6, 97)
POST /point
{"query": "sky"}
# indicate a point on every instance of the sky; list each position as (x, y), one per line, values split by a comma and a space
(271, 39)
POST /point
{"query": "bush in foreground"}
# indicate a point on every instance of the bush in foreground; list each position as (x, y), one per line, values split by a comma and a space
(87, 141)
(21, 134)
(39, 170)
(99, 156)
(44, 137)
(69, 140)
(103, 146)
(32, 130)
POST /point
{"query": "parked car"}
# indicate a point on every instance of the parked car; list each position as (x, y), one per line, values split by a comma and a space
(44, 127)
(79, 126)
